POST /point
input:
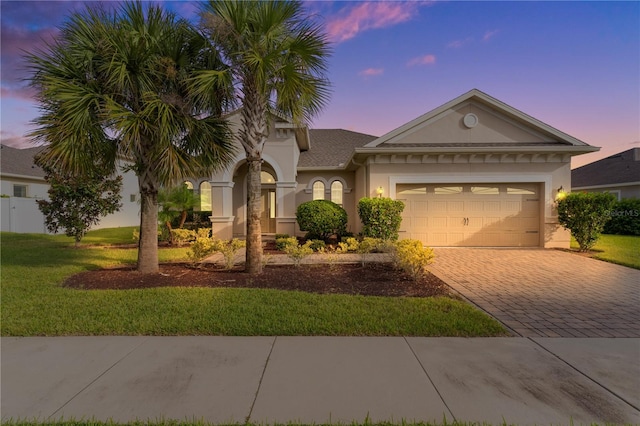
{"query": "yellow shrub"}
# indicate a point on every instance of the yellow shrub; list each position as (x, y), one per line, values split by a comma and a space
(413, 258)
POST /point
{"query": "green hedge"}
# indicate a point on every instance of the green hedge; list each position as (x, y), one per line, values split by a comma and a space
(625, 218)
(321, 219)
(381, 217)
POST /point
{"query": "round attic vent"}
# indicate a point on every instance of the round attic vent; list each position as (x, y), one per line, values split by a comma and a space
(470, 120)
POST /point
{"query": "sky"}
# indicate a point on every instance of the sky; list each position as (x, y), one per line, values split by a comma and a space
(574, 65)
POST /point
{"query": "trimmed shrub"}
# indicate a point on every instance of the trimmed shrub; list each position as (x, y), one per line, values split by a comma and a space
(228, 249)
(348, 245)
(380, 217)
(321, 219)
(625, 218)
(413, 258)
(585, 214)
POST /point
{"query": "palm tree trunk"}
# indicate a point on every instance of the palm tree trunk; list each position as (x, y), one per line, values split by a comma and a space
(254, 228)
(148, 243)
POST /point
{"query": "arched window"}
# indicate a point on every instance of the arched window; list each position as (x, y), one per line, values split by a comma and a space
(205, 196)
(318, 190)
(188, 184)
(266, 177)
(336, 192)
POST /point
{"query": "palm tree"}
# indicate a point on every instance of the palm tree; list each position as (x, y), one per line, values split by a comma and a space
(277, 58)
(121, 84)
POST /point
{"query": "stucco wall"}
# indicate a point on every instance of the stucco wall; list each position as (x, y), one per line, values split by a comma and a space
(350, 198)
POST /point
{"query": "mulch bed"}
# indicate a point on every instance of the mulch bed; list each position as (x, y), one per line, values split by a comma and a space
(375, 279)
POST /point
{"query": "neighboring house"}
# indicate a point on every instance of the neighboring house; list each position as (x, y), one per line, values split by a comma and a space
(473, 172)
(23, 183)
(618, 174)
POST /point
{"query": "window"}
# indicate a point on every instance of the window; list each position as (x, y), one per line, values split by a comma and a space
(188, 184)
(133, 198)
(447, 190)
(318, 190)
(512, 190)
(20, 191)
(266, 177)
(205, 196)
(410, 189)
(336, 192)
(485, 190)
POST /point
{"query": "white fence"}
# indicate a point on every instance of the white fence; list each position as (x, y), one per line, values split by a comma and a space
(21, 215)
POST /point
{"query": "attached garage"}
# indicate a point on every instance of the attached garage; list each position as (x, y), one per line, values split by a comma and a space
(472, 215)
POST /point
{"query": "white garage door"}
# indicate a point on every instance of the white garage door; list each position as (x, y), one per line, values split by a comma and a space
(471, 215)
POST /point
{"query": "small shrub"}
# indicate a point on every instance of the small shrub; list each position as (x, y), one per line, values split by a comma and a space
(318, 245)
(228, 249)
(298, 252)
(625, 218)
(200, 248)
(381, 217)
(279, 236)
(136, 234)
(366, 246)
(182, 236)
(349, 245)
(585, 214)
(321, 219)
(413, 258)
(282, 243)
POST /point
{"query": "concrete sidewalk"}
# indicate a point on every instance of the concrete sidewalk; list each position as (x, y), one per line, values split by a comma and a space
(322, 379)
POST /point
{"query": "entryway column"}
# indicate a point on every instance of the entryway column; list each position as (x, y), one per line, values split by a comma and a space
(222, 209)
(286, 202)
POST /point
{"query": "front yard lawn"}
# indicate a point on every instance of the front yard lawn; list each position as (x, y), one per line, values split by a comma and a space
(620, 249)
(35, 304)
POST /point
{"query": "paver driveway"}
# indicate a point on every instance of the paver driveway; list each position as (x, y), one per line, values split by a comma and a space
(548, 293)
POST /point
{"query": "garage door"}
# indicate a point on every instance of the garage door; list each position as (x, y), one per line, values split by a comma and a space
(471, 215)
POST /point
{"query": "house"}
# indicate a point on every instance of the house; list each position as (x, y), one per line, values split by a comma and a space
(618, 174)
(472, 172)
(23, 183)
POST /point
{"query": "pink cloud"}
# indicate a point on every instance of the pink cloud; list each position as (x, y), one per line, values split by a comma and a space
(352, 20)
(22, 93)
(422, 60)
(489, 35)
(369, 72)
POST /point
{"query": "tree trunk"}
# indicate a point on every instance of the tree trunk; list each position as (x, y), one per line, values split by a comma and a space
(254, 228)
(148, 243)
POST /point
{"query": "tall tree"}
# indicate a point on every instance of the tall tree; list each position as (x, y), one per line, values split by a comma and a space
(277, 57)
(121, 85)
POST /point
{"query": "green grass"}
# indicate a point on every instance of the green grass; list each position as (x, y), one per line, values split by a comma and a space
(35, 304)
(620, 249)
(107, 236)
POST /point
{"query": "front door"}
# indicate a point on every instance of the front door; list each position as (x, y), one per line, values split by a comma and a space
(268, 214)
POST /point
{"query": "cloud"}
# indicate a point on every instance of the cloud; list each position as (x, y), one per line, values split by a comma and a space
(422, 60)
(456, 44)
(370, 72)
(352, 20)
(489, 35)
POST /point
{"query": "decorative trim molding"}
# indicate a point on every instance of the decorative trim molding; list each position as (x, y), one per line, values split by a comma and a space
(474, 158)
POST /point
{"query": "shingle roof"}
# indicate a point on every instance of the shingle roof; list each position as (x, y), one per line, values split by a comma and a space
(619, 168)
(332, 147)
(20, 161)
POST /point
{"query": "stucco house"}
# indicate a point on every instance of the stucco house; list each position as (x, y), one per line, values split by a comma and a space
(472, 172)
(618, 174)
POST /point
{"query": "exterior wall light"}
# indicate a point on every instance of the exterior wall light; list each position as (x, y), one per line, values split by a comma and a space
(561, 195)
(380, 191)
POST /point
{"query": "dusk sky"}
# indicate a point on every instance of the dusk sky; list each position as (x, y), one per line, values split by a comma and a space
(572, 65)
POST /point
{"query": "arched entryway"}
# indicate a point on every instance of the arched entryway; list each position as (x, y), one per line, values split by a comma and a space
(268, 198)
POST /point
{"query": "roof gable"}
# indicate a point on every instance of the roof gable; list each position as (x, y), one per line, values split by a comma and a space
(474, 119)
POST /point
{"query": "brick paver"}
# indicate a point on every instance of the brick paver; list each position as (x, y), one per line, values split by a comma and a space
(545, 293)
